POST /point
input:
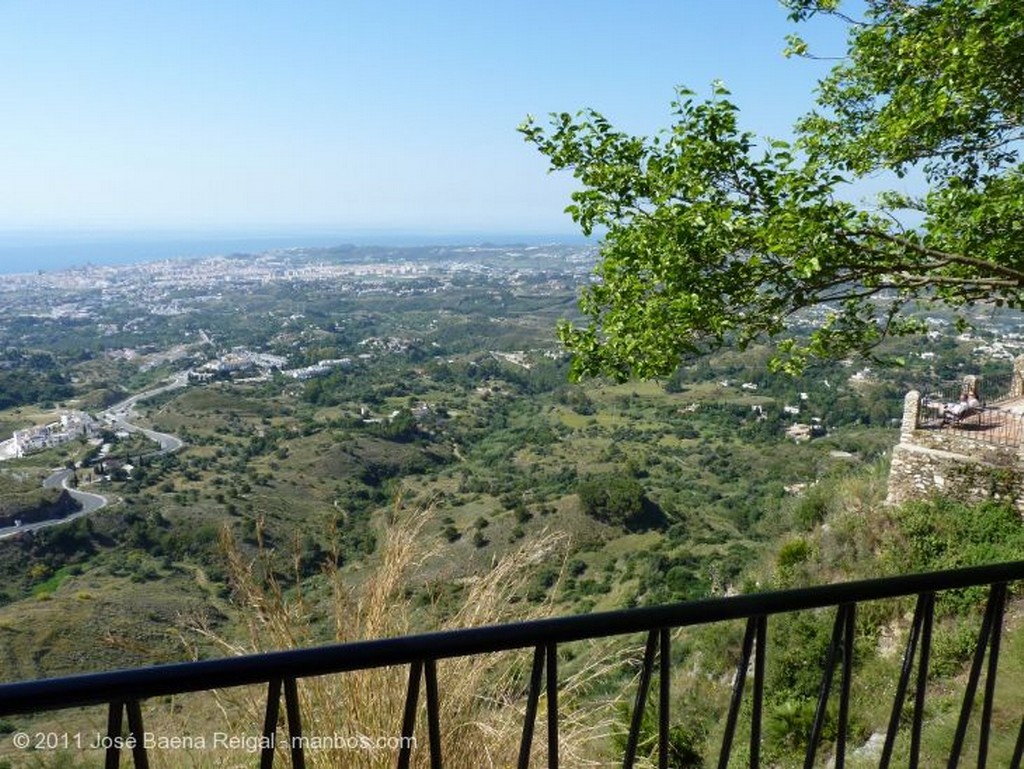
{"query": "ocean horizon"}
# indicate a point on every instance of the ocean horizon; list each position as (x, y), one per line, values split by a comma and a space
(27, 251)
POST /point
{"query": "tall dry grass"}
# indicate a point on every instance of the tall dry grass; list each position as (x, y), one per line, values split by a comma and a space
(482, 698)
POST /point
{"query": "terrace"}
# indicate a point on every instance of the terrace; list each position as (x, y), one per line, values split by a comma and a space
(972, 457)
(998, 421)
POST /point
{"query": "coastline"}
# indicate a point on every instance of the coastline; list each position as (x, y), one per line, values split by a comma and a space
(32, 251)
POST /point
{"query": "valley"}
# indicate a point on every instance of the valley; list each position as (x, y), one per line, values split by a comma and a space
(321, 399)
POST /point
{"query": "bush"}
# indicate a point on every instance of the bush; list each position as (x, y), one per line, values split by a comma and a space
(953, 644)
(792, 554)
(788, 724)
(945, 534)
(813, 505)
(685, 739)
(484, 695)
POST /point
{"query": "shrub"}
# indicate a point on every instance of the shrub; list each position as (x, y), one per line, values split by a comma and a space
(788, 723)
(813, 505)
(483, 695)
(792, 554)
(685, 739)
(946, 534)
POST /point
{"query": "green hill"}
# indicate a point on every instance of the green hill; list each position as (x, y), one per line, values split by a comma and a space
(25, 501)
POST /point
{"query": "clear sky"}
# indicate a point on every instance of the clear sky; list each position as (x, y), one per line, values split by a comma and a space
(264, 114)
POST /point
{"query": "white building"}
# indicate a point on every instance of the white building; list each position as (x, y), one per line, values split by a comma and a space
(71, 426)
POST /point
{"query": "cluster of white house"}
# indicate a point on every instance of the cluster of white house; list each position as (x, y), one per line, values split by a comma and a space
(318, 369)
(72, 425)
(240, 360)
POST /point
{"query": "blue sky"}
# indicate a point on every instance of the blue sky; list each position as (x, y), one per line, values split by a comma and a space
(351, 115)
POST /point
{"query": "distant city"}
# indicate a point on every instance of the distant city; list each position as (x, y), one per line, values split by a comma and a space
(25, 251)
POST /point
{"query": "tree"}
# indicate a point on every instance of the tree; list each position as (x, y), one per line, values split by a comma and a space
(715, 237)
(612, 499)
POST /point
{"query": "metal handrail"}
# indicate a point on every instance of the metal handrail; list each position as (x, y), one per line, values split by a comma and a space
(992, 423)
(122, 690)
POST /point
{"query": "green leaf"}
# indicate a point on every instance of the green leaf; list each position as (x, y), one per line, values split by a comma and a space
(707, 244)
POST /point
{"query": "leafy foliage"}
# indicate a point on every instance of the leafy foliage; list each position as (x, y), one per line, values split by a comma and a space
(714, 237)
(31, 378)
(612, 499)
(685, 739)
(945, 534)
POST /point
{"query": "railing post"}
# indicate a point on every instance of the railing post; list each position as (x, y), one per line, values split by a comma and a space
(115, 720)
(922, 679)
(552, 693)
(991, 627)
(138, 731)
(640, 703)
(664, 693)
(270, 723)
(291, 705)
(760, 659)
(990, 680)
(115, 739)
(845, 686)
(737, 693)
(1018, 749)
(409, 716)
(841, 644)
(988, 638)
(920, 629)
(421, 669)
(433, 714)
(530, 718)
(660, 641)
(293, 717)
(754, 637)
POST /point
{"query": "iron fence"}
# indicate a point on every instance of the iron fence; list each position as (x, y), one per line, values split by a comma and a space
(994, 421)
(123, 691)
(989, 389)
(992, 425)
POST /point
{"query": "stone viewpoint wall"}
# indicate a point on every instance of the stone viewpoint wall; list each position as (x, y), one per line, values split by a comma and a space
(929, 461)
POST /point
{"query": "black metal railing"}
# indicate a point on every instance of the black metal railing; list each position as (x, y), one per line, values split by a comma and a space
(991, 421)
(989, 424)
(123, 691)
(990, 389)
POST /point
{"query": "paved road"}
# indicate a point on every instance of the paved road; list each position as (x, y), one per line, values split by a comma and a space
(119, 414)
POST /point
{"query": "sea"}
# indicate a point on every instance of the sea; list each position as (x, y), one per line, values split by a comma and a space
(26, 251)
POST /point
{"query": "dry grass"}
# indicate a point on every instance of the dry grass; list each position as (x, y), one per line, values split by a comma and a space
(482, 698)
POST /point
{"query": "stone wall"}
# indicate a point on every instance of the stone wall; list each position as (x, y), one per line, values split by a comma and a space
(920, 472)
(1017, 383)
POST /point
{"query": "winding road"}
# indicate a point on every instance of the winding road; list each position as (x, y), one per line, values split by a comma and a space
(118, 414)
